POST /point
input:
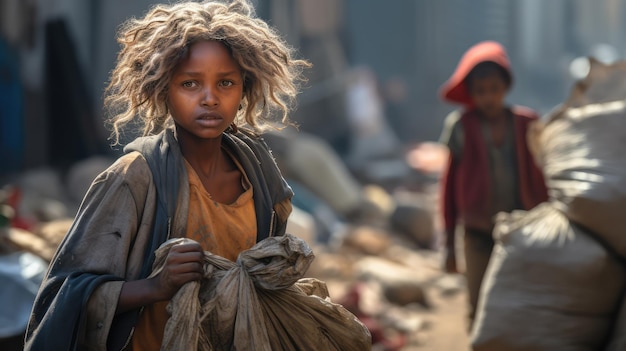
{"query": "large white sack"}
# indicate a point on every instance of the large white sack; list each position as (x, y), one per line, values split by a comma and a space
(582, 150)
(549, 286)
(618, 339)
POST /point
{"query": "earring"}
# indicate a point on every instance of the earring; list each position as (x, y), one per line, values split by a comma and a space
(240, 107)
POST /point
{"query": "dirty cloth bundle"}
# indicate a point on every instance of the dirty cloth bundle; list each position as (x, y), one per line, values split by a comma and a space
(259, 302)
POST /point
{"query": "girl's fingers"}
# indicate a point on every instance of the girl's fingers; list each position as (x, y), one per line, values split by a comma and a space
(186, 254)
(188, 277)
(189, 267)
(191, 247)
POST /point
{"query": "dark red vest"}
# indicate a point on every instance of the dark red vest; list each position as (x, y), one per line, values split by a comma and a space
(466, 187)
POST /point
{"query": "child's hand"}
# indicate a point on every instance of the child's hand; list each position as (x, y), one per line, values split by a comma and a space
(184, 263)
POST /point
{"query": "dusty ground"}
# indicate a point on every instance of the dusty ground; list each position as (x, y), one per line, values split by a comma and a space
(442, 326)
(446, 330)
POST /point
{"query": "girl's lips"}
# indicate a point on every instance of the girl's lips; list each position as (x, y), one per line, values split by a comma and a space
(209, 120)
(209, 115)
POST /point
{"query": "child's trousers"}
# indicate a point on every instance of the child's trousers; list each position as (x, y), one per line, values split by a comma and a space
(478, 245)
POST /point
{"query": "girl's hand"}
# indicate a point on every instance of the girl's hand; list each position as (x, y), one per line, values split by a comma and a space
(184, 263)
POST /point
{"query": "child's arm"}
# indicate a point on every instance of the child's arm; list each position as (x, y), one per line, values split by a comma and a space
(452, 136)
(450, 215)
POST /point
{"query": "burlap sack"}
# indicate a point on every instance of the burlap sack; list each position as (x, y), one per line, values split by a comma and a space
(549, 286)
(582, 149)
(259, 303)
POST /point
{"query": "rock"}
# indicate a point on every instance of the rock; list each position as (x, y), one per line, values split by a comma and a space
(380, 197)
(42, 242)
(81, 175)
(414, 221)
(399, 284)
(41, 196)
(302, 225)
(36, 208)
(366, 240)
(404, 293)
(53, 232)
(405, 319)
(41, 183)
(426, 264)
(50, 210)
(364, 298)
(25, 240)
(331, 266)
(450, 284)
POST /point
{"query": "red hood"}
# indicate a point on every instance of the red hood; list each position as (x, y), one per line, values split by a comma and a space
(454, 90)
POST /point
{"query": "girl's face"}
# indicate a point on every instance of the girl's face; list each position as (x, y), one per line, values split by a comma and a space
(488, 94)
(205, 91)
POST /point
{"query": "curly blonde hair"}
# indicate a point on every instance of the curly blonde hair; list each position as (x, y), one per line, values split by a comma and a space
(152, 47)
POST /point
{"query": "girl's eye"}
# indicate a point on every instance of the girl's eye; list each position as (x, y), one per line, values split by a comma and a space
(189, 84)
(226, 83)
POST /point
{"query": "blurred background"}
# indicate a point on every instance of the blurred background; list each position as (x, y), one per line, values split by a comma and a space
(370, 108)
(56, 56)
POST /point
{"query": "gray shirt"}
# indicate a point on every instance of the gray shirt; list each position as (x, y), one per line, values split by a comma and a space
(502, 159)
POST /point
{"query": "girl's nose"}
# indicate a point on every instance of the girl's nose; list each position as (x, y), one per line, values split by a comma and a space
(209, 97)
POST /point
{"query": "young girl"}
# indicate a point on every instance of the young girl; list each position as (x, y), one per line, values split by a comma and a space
(192, 75)
(490, 168)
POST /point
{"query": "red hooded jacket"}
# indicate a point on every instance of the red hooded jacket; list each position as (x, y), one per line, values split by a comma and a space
(466, 186)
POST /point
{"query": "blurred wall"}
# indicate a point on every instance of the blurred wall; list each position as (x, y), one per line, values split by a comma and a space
(411, 46)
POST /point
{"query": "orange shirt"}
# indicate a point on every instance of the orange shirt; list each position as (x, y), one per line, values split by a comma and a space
(223, 230)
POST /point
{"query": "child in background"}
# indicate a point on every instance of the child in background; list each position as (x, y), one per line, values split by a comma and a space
(490, 166)
(201, 79)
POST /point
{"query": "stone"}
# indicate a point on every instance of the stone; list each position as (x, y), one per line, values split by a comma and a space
(415, 222)
(366, 240)
(399, 284)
